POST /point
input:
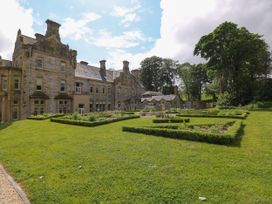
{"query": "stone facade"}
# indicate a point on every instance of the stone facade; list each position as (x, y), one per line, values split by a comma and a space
(51, 81)
(10, 92)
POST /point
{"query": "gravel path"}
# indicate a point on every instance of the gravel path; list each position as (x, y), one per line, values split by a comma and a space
(10, 191)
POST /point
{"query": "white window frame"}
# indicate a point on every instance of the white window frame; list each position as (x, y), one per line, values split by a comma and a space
(19, 87)
(78, 88)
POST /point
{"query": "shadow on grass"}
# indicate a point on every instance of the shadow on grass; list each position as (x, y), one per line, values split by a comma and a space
(239, 137)
(5, 125)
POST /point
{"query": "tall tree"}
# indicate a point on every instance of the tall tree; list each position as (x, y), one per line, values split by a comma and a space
(158, 74)
(237, 57)
(194, 78)
(150, 73)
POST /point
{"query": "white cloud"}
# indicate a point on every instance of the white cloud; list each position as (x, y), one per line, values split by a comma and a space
(127, 39)
(128, 14)
(12, 17)
(78, 29)
(183, 22)
(116, 58)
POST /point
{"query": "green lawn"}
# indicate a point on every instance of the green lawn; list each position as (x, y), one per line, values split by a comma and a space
(57, 163)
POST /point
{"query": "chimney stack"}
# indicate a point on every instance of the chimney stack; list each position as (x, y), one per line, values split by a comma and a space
(103, 67)
(52, 29)
(84, 63)
(125, 66)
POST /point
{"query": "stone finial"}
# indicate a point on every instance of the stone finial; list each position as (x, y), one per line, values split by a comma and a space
(103, 67)
(52, 29)
(19, 32)
(126, 66)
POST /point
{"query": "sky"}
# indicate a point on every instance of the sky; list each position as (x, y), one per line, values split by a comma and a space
(117, 30)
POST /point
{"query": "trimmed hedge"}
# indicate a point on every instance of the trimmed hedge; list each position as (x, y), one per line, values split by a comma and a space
(221, 138)
(242, 116)
(171, 120)
(44, 117)
(91, 123)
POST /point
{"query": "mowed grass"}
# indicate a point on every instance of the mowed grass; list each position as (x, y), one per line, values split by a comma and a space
(57, 163)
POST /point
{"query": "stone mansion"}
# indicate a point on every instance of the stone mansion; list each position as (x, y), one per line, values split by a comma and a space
(44, 77)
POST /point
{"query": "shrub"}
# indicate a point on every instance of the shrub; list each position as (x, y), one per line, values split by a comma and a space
(225, 99)
(44, 116)
(259, 105)
(171, 120)
(172, 132)
(90, 123)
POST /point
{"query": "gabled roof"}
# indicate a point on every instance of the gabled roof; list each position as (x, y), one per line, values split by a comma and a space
(152, 93)
(160, 98)
(92, 72)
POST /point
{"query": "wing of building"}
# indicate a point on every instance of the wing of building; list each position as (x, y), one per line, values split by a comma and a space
(44, 77)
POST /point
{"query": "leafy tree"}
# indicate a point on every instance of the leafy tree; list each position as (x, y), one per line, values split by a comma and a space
(167, 76)
(158, 74)
(194, 78)
(150, 73)
(238, 59)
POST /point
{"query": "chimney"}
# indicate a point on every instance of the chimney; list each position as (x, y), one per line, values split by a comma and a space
(84, 63)
(52, 29)
(103, 67)
(38, 36)
(125, 66)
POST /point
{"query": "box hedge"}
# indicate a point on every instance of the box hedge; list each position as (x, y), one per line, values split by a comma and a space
(242, 116)
(171, 120)
(91, 123)
(216, 138)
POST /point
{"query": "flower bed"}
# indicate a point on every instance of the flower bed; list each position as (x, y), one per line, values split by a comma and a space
(226, 134)
(44, 116)
(171, 120)
(94, 119)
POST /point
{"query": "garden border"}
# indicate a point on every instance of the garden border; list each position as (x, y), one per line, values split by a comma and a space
(227, 138)
(90, 124)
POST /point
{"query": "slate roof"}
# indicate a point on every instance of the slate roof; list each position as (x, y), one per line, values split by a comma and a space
(91, 72)
(152, 93)
(159, 98)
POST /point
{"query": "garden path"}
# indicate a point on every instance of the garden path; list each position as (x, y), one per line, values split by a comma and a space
(10, 191)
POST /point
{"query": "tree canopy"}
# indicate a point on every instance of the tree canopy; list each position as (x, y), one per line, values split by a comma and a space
(238, 58)
(158, 74)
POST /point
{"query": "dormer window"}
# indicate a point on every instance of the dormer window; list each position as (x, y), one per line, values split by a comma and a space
(39, 63)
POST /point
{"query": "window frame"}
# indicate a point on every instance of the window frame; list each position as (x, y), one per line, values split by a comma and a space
(62, 86)
(39, 63)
